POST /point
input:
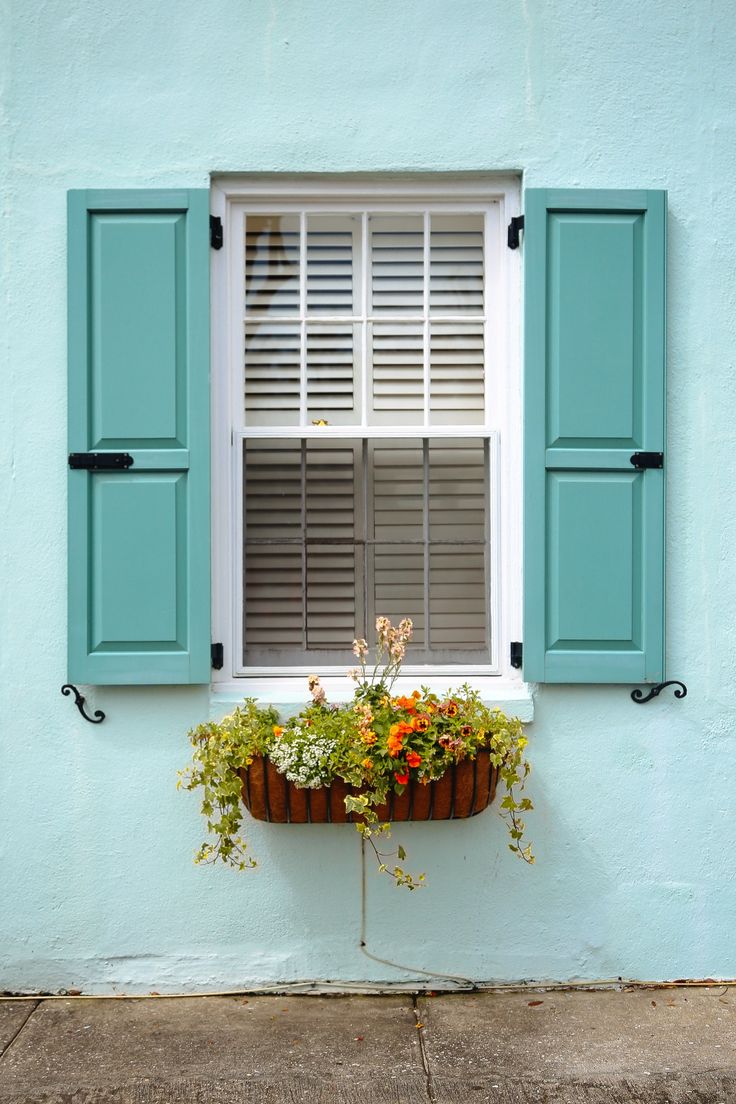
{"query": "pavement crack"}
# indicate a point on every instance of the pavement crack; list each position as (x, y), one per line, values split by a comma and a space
(5, 1049)
(429, 1080)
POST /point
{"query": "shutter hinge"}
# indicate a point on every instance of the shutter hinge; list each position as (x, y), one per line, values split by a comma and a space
(515, 227)
(516, 653)
(218, 657)
(215, 231)
(642, 460)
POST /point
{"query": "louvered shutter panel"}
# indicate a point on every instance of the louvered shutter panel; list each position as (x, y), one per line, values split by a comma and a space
(139, 575)
(594, 395)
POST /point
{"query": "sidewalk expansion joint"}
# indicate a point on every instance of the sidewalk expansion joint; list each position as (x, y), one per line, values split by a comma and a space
(431, 1094)
(5, 1050)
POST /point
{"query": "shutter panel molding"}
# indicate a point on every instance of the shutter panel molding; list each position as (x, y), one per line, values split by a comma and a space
(139, 538)
(594, 386)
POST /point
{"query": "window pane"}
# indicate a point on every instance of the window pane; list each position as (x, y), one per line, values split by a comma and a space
(458, 582)
(333, 376)
(273, 574)
(456, 264)
(397, 520)
(331, 501)
(397, 264)
(332, 271)
(456, 373)
(272, 373)
(429, 511)
(272, 264)
(397, 373)
(300, 503)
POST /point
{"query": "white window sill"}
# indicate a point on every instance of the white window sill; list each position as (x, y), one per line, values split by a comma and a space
(289, 695)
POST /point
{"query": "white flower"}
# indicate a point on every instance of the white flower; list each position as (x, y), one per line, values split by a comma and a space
(304, 760)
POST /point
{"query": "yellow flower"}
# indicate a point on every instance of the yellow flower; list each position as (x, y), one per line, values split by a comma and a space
(278, 730)
(369, 738)
(368, 764)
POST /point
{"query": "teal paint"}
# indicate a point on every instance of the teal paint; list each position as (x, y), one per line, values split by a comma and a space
(138, 540)
(594, 393)
(634, 823)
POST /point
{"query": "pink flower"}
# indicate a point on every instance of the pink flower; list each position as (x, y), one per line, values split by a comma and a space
(318, 695)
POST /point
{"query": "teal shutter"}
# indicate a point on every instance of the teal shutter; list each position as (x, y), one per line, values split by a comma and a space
(594, 310)
(139, 538)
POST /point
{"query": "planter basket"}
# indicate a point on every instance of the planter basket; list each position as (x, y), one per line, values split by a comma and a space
(466, 788)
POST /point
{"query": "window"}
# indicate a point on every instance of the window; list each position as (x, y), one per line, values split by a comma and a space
(366, 424)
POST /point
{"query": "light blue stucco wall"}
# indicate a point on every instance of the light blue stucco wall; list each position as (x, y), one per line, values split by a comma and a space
(634, 829)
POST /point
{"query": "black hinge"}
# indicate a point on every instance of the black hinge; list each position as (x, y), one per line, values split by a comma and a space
(642, 460)
(100, 461)
(215, 231)
(515, 227)
(516, 653)
(218, 657)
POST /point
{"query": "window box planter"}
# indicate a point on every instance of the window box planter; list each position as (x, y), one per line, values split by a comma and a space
(370, 761)
(466, 789)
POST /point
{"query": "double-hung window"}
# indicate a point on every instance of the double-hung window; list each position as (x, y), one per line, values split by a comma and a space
(366, 424)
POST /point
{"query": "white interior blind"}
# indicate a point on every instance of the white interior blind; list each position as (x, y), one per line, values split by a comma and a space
(365, 321)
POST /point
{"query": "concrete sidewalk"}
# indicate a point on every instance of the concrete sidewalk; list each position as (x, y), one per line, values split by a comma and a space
(668, 1046)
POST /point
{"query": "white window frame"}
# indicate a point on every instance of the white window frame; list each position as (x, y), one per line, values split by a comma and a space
(230, 198)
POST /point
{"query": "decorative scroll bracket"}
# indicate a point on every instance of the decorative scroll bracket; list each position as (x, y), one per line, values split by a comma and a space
(79, 700)
(640, 697)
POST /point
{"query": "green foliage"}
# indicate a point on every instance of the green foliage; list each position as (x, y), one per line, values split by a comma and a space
(375, 742)
(221, 749)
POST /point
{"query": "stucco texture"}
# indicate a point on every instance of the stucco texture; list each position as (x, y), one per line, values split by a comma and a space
(634, 825)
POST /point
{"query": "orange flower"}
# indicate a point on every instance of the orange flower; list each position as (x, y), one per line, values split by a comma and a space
(406, 703)
(466, 730)
(368, 764)
(369, 738)
(416, 693)
(413, 759)
(402, 779)
(421, 723)
(395, 745)
(400, 728)
(451, 709)
(278, 730)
